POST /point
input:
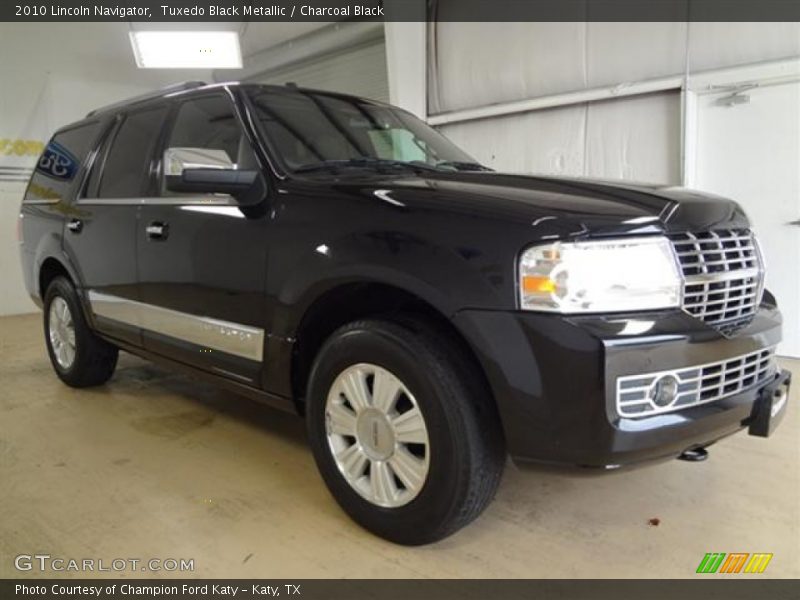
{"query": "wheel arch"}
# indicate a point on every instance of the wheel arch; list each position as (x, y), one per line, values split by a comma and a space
(50, 269)
(353, 301)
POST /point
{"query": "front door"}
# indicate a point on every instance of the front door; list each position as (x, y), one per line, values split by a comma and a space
(201, 258)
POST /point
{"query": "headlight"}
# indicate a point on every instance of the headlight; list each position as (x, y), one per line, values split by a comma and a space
(600, 276)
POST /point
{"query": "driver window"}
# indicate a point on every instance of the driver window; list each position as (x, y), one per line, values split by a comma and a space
(207, 132)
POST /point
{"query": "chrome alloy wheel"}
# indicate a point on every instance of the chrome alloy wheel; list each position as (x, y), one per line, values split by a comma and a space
(377, 435)
(61, 331)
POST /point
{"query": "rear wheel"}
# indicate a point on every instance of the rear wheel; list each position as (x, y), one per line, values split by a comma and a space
(403, 431)
(79, 357)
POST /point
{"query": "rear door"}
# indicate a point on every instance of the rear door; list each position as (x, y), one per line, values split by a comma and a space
(101, 230)
(48, 198)
(201, 258)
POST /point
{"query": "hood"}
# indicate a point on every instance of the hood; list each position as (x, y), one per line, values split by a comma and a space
(556, 206)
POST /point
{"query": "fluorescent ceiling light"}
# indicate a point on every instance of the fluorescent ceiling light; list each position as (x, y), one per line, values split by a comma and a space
(186, 49)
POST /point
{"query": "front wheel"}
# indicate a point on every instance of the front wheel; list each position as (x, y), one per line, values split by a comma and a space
(403, 431)
(79, 357)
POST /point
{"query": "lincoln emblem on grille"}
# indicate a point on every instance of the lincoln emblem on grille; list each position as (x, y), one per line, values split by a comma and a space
(723, 277)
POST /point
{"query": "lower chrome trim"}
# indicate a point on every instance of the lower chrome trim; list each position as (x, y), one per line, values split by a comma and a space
(697, 384)
(208, 200)
(223, 336)
(36, 202)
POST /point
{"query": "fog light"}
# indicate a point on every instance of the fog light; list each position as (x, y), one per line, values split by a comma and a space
(664, 391)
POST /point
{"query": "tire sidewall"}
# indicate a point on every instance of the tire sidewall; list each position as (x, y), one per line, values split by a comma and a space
(443, 419)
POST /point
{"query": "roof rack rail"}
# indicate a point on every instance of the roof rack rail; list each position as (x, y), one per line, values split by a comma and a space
(177, 87)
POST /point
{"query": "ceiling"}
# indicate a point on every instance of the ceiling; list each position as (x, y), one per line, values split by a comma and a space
(106, 45)
(260, 36)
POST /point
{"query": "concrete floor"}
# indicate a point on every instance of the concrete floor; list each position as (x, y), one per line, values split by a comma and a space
(155, 465)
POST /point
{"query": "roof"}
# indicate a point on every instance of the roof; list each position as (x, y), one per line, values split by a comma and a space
(187, 86)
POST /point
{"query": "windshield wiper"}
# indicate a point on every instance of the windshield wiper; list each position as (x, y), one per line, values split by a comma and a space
(461, 165)
(362, 163)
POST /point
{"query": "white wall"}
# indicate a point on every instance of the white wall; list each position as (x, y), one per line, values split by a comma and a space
(477, 65)
(486, 63)
(359, 70)
(347, 57)
(50, 75)
(635, 138)
(405, 63)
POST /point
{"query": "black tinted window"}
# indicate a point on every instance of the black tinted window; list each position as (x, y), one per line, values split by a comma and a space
(210, 123)
(308, 128)
(96, 166)
(127, 165)
(60, 162)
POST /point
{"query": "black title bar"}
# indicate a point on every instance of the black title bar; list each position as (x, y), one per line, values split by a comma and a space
(398, 10)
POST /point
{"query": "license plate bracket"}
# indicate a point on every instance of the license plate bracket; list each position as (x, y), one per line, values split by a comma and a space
(770, 407)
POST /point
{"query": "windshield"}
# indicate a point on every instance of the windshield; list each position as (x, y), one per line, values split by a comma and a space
(314, 130)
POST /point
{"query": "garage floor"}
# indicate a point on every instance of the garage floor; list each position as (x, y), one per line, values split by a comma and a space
(155, 465)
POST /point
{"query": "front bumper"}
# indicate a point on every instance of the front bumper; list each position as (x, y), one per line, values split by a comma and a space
(554, 379)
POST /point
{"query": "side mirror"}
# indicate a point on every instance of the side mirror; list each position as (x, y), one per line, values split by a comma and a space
(209, 171)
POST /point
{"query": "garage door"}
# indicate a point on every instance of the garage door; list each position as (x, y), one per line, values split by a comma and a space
(360, 70)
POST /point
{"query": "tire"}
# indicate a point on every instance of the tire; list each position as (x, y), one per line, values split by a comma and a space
(457, 469)
(91, 360)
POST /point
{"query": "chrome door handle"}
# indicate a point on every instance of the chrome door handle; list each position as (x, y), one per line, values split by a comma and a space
(796, 223)
(157, 231)
(75, 225)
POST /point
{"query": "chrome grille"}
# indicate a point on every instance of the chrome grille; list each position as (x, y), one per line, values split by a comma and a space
(696, 385)
(722, 274)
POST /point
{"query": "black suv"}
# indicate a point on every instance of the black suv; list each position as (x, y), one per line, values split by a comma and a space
(338, 258)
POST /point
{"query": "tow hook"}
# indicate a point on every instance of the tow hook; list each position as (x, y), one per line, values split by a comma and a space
(694, 455)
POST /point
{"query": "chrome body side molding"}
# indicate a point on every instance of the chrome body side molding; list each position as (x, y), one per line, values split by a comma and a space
(209, 200)
(223, 336)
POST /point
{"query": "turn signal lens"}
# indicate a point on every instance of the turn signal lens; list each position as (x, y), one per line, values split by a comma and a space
(532, 284)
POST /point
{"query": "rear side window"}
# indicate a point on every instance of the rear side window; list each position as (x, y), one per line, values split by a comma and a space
(126, 168)
(60, 162)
